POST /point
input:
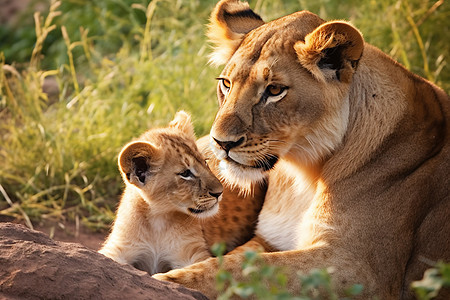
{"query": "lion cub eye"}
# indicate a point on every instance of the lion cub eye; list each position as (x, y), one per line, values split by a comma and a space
(275, 93)
(186, 174)
(225, 85)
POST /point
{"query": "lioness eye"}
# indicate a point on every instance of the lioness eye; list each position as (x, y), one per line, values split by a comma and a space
(274, 93)
(186, 174)
(225, 85)
(274, 90)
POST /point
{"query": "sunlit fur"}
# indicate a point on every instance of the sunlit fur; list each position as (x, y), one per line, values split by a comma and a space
(228, 40)
(361, 183)
(158, 227)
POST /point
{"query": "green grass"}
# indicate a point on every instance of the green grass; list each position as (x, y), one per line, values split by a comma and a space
(123, 66)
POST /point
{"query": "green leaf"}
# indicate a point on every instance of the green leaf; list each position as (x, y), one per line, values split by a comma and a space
(218, 249)
(432, 282)
(354, 290)
(244, 290)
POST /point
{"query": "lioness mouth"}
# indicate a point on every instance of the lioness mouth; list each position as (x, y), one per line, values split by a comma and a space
(265, 164)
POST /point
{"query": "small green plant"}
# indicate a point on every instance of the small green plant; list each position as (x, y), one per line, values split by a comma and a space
(317, 285)
(264, 281)
(434, 279)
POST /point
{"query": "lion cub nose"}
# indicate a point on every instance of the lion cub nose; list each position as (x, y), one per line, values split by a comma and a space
(215, 195)
(228, 145)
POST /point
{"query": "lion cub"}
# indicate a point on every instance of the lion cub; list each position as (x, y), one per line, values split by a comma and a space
(169, 188)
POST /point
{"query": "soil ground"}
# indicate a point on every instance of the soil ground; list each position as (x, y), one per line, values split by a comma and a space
(67, 232)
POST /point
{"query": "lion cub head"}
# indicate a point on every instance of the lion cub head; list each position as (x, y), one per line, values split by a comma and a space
(169, 172)
(283, 91)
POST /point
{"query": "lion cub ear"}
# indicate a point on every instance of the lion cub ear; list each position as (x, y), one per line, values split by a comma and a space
(230, 20)
(138, 160)
(182, 121)
(331, 51)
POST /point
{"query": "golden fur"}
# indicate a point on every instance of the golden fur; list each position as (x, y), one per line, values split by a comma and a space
(236, 220)
(356, 149)
(169, 188)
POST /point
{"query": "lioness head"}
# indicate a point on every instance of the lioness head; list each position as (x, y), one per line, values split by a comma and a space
(283, 91)
(169, 171)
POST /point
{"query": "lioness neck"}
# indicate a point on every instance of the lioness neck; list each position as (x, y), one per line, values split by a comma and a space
(374, 113)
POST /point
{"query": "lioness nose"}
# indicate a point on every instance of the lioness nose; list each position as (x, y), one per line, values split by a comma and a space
(228, 145)
(215, 195)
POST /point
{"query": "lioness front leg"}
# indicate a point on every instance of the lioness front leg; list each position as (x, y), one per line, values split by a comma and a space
(347, 270)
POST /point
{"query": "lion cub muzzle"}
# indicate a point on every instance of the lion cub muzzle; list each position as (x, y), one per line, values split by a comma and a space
(207, 205)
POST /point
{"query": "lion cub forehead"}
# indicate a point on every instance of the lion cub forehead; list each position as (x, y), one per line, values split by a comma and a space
(177, 146)
(173, 142)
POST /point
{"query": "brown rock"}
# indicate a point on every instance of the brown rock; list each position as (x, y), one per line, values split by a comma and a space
(33, 266)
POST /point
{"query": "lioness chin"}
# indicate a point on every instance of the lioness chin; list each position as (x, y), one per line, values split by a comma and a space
(356, 149)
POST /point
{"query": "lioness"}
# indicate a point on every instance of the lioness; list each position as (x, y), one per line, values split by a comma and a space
(356, 148)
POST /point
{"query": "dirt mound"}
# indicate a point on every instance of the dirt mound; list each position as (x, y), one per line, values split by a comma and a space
(33, 266)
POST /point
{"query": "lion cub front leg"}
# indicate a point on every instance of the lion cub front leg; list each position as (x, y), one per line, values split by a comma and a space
(256, 244)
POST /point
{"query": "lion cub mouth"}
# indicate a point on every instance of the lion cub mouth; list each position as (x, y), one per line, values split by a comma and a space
(205, 211)
(196, 211)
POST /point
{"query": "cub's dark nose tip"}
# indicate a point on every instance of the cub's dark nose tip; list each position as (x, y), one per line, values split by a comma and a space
(228, 145)
(215, 195)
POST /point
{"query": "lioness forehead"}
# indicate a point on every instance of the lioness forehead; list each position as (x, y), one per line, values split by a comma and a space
(268, 41)
(282, 32)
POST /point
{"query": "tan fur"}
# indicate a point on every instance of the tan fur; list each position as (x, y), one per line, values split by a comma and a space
(228, 38)
(158, 225)
(361, 183)
(236, 220)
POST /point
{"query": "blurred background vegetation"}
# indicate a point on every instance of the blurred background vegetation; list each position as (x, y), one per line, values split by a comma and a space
(81, 78)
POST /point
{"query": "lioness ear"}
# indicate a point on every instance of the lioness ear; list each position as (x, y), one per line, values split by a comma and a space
(182, 121)
(230, 20)
(138, 160)
(331, 51)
